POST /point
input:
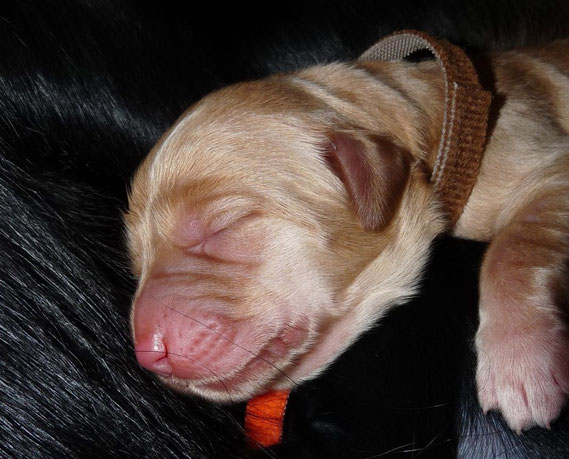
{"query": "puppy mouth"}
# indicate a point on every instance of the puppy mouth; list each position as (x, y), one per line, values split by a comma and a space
(266, 369)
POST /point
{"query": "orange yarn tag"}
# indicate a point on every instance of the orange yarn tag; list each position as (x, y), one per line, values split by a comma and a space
(264, 418)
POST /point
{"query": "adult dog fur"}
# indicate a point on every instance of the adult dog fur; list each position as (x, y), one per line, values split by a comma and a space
(278, 220)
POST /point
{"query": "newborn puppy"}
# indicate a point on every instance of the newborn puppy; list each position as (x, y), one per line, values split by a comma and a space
(278, 220)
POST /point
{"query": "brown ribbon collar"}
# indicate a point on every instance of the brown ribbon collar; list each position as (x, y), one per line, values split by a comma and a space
(465, 121)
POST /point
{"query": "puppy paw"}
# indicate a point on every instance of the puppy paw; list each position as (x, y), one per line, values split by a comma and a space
(523, 371)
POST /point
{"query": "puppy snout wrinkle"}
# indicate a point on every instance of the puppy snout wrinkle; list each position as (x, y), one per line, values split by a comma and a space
(187, 343)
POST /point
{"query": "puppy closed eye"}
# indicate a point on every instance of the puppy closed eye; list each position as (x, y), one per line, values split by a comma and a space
(232, 238)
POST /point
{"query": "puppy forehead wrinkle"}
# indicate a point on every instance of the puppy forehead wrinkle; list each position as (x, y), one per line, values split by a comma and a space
(247, 150)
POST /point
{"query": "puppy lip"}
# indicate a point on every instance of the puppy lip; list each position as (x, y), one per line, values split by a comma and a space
(163, 369)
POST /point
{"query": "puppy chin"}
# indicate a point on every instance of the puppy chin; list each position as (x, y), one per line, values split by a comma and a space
(228, 390)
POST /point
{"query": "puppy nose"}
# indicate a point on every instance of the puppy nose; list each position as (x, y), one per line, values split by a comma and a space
(152, 355)
(174, 338)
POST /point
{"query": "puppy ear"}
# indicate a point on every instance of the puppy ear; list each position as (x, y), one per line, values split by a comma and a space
(374, 171)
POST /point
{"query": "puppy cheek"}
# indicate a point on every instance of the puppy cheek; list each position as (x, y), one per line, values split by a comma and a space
(294, 278)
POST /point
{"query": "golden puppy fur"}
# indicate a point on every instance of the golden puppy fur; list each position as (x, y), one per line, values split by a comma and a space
(283, 217)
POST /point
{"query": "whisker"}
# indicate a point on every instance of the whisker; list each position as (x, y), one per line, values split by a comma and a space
(406, 448)
(434, 439)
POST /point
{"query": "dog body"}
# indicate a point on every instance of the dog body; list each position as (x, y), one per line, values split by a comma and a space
(278, 220)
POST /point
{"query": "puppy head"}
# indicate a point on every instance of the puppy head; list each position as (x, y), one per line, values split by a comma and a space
(255, 228)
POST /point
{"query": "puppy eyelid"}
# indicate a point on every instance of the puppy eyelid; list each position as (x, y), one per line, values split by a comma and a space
(196, 232)
(226, 221)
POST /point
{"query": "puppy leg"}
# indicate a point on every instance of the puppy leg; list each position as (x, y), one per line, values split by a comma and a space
(522, 342)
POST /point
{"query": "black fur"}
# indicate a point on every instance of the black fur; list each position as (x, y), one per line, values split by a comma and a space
(86, 88)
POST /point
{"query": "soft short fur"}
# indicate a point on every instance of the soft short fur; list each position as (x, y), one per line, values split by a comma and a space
(279, 219)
